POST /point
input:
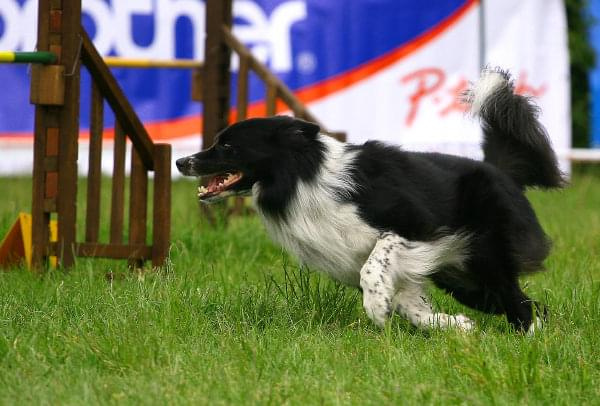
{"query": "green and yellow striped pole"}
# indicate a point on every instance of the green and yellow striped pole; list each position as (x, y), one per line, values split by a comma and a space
(42, 57)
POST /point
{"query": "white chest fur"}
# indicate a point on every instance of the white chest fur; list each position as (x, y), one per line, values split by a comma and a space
(319, 229)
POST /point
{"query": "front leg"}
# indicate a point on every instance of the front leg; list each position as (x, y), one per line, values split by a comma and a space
(411, 302)
(393, 277)
(377, 283)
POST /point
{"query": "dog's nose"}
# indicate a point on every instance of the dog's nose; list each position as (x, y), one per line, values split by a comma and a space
(182, 163)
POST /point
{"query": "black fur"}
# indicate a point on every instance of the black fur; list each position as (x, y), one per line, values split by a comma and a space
(420, 195)
(515, 141)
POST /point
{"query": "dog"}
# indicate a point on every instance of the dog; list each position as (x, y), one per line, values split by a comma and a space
(387, 220)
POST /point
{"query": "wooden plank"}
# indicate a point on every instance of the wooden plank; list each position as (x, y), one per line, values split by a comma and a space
(49, 205)
(242, 88)
(116, 99)
(51, 185)
(40, 219)
(118, 187)
(47, 85)
(138, 201)
(115, 251)
(51, 163)
(216, 84)
(55, 46)
(271, 99)
(55, 20)
(92, 215)
(69, 131)
(197, 77)
(161, 216)
(66, 119)
(52, 141)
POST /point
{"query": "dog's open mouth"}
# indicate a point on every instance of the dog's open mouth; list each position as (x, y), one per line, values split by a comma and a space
(219, 184)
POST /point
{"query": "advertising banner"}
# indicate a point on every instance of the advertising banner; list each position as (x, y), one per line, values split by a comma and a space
(386, 69)
(594, 35)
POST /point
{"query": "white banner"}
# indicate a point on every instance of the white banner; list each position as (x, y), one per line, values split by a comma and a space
(414, 101)
(391, 71)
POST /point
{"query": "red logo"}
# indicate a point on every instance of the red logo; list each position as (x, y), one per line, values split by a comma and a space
(433, 84)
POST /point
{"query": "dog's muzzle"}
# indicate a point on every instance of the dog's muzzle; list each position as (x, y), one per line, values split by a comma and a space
(185, 166)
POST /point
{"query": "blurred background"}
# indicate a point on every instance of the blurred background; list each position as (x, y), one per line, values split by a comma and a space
(374, 69)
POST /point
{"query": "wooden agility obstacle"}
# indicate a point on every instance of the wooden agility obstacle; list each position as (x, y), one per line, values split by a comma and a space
(55, 91)
(64, 47)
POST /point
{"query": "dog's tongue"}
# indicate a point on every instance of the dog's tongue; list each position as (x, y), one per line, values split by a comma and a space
(214, 182)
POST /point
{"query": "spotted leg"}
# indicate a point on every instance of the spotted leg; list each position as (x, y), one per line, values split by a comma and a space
(377, 287)
(392, 279)
(411, 302)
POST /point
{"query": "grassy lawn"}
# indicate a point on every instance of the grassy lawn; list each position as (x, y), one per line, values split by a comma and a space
(232, 320)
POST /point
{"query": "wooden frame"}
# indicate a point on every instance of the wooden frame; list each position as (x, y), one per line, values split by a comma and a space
(57, 126)
(55, 154)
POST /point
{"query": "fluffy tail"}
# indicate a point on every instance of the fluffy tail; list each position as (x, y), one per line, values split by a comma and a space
(514, 140)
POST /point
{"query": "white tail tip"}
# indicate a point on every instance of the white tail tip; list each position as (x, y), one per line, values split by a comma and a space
(488, 84)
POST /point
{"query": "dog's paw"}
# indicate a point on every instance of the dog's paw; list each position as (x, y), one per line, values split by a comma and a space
(377, 310)
(459, 321)
(535, 327)
(462, 322)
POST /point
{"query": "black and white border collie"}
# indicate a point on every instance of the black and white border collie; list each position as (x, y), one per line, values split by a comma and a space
(386, 220)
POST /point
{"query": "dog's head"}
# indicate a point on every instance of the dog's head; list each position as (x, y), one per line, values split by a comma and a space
(248, 152)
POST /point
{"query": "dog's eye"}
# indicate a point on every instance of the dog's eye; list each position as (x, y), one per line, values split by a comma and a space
(226, 148)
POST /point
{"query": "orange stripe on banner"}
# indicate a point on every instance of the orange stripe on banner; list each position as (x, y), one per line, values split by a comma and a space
(158, 131)
(185, 126)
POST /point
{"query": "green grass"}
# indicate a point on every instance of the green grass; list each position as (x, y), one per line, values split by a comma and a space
(232, 320)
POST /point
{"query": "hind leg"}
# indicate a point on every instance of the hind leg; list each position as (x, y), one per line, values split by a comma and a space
(411, 302)
(521, 312)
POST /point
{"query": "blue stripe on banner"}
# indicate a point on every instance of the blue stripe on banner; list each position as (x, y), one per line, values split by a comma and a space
(594, 9)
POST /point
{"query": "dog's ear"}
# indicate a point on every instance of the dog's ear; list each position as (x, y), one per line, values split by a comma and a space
(301, 128)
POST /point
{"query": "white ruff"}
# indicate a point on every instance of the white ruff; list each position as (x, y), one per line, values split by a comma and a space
(319, 229)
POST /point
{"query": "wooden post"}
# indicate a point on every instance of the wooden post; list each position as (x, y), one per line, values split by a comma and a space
(271, 99)
(138, 205)
(216, 83)
(92, 219)
(242, 88)
(56, 134)
(161, 215)
(118, 186)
